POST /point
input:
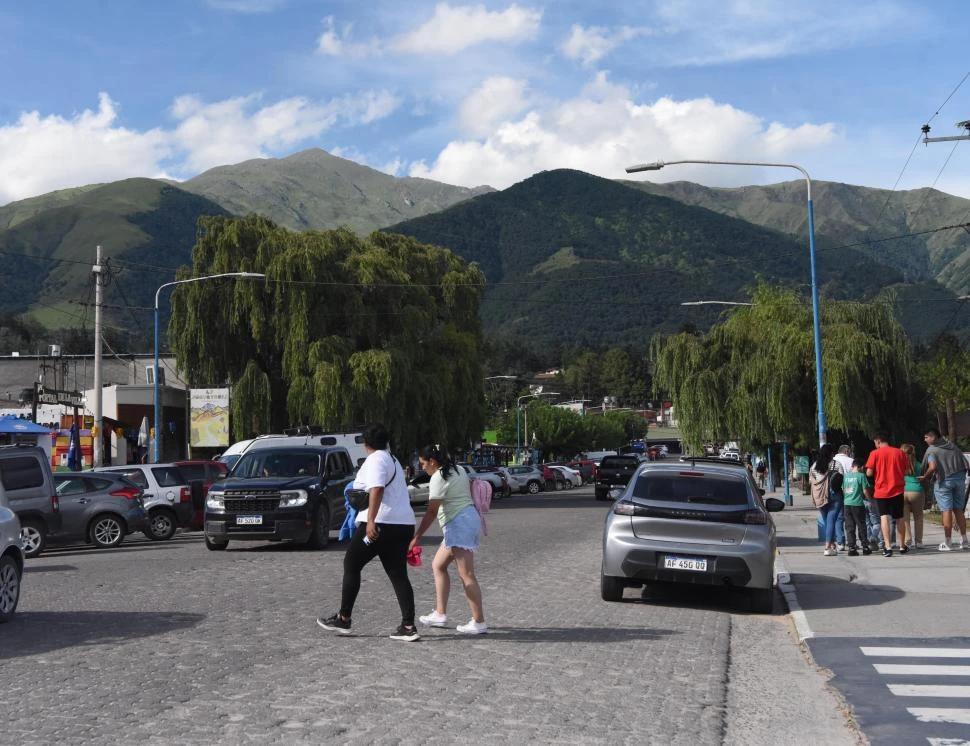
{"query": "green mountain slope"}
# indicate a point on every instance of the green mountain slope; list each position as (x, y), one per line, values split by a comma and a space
(313, 189)
(572, 258)
(846, 214)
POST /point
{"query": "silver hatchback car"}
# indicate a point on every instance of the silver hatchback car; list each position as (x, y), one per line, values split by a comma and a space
(699, 521)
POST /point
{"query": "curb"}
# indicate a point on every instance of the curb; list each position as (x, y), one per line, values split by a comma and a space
(787, 588)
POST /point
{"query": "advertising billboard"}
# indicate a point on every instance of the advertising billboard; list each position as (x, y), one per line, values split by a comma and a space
(209, 418)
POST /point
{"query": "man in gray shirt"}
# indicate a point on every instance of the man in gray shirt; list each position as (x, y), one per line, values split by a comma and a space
(944, 460)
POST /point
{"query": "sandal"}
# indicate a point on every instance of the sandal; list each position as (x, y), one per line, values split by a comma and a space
(903, 549)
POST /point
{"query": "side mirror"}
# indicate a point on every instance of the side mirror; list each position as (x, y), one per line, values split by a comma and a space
(773, 504)
(761, 491)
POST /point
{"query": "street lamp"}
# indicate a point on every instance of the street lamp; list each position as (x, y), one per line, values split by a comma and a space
(158, 409)
(820, 394)
(518, 408)
(714, 303)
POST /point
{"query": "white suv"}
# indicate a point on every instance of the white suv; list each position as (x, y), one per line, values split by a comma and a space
(11, 559)
(166, 493)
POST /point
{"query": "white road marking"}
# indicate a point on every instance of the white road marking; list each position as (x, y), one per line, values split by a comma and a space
(787, 589)
(940, 715)
(929, 690)
(902, 669)
(947, 742)
(917, 652)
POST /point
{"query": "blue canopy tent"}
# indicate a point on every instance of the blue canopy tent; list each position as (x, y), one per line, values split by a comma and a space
(12, 425)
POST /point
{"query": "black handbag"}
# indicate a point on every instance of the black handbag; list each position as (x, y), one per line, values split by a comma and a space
(360, 499)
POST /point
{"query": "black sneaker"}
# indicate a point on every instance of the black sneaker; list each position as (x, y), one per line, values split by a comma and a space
(853, 552)
(903, 549)
(887, 552)
(335, 623)
(866, 551)
(406, 634)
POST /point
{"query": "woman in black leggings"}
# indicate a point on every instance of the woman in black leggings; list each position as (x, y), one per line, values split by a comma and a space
(384, 530)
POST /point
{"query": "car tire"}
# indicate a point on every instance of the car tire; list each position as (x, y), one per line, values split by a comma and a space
(215, 546)
(9, 587)
(761, 600)
(560, 485)
(320, 536)
(33, 537)
(533, 487)
(106, 531)
(161, 524)
(611, 589)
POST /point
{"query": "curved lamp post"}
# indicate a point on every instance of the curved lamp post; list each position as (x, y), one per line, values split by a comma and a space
(820, 394)
(156, 455)
(518, 408)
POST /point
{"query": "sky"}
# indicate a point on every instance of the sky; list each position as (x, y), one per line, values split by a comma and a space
(485, 92)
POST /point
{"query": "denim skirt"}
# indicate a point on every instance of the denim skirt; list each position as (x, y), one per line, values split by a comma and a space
(464, 530)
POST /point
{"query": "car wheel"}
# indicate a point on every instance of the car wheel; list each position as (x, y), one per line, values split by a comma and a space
(215, 546)
(33, 537)
(611, 589)
(533, 487)
(9, 587)
(320, 536)
(560, 485)
(106, 531)
(161, 525)
(761, 600)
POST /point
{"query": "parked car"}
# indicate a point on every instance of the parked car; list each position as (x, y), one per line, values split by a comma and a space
(11, 559)
(492, 475)
(280, 492)
(201, 475)
(524, 479)
(572, 476)
(231, 455)
(586, 467)
(613, 474)
(166, 493)
(694, 521)
(552, 478)
(99, 509)
(25, 474)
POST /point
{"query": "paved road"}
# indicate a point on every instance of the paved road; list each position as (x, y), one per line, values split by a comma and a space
(166, 643)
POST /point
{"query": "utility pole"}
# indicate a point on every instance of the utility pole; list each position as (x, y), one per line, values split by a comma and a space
(964, 125)
(97, 270)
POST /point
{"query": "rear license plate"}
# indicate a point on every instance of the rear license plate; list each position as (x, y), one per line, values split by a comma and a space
(695, 564)
(249, 520)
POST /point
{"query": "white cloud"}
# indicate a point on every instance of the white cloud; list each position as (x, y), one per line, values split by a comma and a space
(337, 43)
(492, 103)
(454, 28)
(41, 153)
(247, 6)
(591, 44)
(603, 131)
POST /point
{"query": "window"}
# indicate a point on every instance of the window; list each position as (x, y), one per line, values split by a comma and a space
(98, 484)
(70, 486)
(20, 473)
(192, 471)
(336, 465)
(136, 476)
(168, 476)
(701, 490)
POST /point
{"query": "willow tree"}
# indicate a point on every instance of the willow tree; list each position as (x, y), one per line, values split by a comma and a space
(344, 330)
(752, 376)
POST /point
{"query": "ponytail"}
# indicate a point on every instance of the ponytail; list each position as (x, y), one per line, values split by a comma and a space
(439, 454)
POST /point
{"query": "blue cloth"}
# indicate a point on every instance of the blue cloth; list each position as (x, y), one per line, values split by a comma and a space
(950, 492)
(830, 514)
(349, 524)
(464, 530)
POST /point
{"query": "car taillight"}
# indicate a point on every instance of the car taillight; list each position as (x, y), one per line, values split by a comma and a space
(756, 517)
(129, 493)
(55, 503)
(186, 495)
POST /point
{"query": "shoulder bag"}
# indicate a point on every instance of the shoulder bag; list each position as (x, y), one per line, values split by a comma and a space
(360, 499)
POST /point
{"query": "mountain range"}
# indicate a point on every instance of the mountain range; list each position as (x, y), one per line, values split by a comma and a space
(570, 258)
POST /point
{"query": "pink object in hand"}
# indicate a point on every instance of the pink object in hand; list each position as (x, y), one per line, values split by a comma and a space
(414, 557)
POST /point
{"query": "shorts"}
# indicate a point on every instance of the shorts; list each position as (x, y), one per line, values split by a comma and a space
(890, 506)
(951, 492)
(463, 531)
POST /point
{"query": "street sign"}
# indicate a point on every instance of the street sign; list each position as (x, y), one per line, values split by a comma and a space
(801, 464)
(57, 396)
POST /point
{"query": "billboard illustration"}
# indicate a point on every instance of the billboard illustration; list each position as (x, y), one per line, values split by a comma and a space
(209, 418)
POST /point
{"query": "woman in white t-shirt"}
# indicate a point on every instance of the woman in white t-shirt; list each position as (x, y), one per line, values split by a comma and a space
(384, 530)
(450, 500)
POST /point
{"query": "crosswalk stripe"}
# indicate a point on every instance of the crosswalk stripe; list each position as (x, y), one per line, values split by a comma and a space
(917, 652)
(929, 690)
(947, 742)
(903, 669)
(940, 715)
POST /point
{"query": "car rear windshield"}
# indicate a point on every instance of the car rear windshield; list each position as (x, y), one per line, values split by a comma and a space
(273, 463)
(619, 462)
(168, 476)
(192, 471)
(691, 487)
(21, 472)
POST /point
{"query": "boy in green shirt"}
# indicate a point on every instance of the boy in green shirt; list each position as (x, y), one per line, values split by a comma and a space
(855, 487)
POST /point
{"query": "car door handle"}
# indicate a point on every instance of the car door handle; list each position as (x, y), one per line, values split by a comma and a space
(83, 500)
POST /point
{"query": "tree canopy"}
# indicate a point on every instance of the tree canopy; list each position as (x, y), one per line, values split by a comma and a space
(344, 330)
(752, 376)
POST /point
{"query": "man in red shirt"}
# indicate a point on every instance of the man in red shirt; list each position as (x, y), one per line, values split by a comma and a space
(888, 464)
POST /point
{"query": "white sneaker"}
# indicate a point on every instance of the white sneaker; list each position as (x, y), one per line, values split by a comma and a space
(473, 628)
(840, 547)
(830, 552)
(434, 619)
(944, 547)
(965, 544)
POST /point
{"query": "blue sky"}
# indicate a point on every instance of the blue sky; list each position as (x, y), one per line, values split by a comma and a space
(485, 92)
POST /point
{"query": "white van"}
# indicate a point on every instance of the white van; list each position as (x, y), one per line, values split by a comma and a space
(353, 442)
(231, 455)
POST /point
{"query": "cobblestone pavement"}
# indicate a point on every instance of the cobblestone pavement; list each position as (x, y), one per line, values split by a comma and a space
(167, 643)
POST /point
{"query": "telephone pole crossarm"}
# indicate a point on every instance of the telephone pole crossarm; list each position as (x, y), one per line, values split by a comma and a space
(962, 125)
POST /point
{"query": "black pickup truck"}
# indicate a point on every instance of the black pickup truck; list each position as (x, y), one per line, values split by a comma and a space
(614, 472)
(277, 492)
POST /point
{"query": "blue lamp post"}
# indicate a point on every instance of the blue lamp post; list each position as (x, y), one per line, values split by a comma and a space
(156, 454)
(820, 394)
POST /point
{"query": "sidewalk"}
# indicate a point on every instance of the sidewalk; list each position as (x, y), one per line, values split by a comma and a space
(920, 594)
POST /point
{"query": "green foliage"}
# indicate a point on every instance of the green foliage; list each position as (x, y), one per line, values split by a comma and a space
(343, 331)
(944, 372)
(752, 377)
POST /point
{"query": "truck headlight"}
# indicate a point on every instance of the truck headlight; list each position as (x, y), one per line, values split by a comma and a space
(215, 500)
(293, 498)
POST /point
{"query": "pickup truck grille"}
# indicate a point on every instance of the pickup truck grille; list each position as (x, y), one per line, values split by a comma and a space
(251, 501)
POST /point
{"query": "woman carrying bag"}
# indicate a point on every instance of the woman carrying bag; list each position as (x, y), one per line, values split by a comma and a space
(825, 478)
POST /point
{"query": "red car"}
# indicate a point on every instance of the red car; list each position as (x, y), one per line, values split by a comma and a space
(205, 474)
